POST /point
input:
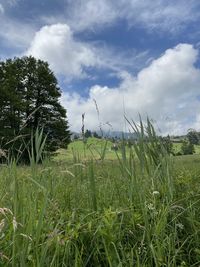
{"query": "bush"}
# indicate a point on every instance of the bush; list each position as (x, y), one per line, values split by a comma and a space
(187, 148)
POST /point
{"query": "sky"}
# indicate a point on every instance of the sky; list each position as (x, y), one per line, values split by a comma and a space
(114, 59)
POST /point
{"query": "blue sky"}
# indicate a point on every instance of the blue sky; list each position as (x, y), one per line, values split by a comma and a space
(131, 56)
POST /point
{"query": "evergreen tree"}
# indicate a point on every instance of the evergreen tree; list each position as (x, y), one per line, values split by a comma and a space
(29, 99)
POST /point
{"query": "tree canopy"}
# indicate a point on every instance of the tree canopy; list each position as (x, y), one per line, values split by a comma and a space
(29, 99)
(193, 137)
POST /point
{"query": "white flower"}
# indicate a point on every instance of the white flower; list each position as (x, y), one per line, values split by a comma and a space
(150, 206)
(180, 226)
(156, 193)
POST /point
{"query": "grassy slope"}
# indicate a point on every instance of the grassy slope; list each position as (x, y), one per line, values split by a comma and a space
(94, 148)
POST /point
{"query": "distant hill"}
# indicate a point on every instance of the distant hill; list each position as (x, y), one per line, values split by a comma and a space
(119, 135)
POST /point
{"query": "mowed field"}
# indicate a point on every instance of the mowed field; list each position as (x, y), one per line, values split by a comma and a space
(92, 206)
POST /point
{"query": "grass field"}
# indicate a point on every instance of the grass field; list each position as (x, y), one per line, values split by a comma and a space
(93, 149)
(92, 207)
(97, 148)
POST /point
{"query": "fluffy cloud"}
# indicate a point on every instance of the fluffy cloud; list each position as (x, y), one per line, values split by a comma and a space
(166, 90)
(56, 44)
(153, 15)
(70, 57)
(91, 15)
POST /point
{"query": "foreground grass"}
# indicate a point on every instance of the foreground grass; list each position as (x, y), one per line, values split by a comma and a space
(141, 210)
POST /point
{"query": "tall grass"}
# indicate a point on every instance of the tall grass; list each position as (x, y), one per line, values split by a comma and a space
(137, 210)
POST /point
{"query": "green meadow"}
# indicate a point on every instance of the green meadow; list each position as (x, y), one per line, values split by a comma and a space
(94, 148)
(92, 206)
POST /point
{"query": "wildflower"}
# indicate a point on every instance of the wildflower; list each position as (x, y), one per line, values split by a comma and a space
(150, 206)
(180, 226)
(156, 193)
(142, 249)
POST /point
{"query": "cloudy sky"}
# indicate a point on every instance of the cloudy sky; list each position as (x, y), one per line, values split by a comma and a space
(129, 57)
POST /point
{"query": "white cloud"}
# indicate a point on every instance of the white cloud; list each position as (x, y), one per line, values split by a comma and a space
(160, 14)
(120, 60)
(70, 57)
(90, 14)
(1, 9)
(6, 4)
(153, 15)
(166, 90)
(56, 44)
(14, 33)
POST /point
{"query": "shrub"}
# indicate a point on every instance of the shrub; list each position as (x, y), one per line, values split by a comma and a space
(187, 148)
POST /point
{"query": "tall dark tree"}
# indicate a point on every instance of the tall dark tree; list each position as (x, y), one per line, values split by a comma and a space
(29, 99)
